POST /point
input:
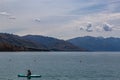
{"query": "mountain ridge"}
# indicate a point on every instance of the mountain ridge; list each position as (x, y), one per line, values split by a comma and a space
(52, 43)
(11, 42)
(97, 43)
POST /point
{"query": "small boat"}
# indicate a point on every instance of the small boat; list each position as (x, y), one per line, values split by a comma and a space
(31, 76)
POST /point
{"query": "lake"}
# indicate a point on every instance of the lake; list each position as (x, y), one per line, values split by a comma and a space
(61, 65)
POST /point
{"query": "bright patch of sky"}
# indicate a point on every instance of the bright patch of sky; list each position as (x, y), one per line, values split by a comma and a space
(62, 19)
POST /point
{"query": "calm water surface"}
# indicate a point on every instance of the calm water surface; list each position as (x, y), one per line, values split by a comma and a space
(61, 65)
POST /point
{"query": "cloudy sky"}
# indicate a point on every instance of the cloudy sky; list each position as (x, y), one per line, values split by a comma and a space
(62, 19)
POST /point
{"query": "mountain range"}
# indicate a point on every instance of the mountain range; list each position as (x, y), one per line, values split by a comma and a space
(52, 44)
(10, 42)
(97, 43)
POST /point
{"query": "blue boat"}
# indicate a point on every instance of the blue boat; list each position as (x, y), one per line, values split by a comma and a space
(31, 76)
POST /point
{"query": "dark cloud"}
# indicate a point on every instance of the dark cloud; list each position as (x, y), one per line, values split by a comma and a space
(38, 20)
(107, 27)
(12, 17)
(81, 29)
(88, 27)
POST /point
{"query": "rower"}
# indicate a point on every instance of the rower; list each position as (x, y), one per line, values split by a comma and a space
(29, 74)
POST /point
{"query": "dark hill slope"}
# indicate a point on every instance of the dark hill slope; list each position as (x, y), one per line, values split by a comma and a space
(52, 43)
(10, 42)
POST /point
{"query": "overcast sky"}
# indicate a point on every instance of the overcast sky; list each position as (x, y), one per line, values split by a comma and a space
(62, 19)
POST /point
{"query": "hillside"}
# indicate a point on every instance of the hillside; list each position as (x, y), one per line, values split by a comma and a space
(97, 43)
(10, 42)
(52, 43)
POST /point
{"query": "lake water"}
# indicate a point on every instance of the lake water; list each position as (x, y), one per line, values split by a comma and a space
(61, 65)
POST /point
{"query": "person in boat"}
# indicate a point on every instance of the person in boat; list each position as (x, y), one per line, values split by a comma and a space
(29, 74)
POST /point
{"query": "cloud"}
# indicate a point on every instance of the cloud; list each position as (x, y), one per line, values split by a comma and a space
(5, 14)
(12, 17)
(81, 29)
(96, 20)
(99, 28)
(107, 27)
(37, 20)
(88, 27)
(56, 19)
(8, 15)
